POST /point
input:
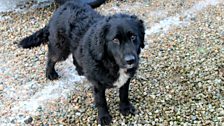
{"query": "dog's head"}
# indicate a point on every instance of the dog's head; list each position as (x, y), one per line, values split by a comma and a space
(121, 38)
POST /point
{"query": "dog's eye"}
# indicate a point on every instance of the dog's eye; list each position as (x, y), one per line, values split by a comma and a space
(116, 40)
(133, 37)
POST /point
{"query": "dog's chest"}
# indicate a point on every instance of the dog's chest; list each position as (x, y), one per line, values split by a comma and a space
(122, 79)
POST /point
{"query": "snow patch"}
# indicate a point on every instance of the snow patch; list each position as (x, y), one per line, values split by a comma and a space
(25, 103)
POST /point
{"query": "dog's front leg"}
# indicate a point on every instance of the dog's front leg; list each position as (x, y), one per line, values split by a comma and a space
(126, 107)
(101, 104)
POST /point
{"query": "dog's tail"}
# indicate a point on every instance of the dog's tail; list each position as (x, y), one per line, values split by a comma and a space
(93, 4)
(36, 39)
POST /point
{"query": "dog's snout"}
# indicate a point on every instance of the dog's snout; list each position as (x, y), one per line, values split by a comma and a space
(130, 59)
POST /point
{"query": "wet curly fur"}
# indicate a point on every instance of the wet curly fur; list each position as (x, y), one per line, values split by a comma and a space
(105, 50)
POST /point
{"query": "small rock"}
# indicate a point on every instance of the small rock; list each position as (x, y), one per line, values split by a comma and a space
(193, 117)
(1, 87)
(13, 121)
(28, 120)
(153, 123)
(78, 113)
(221, 113)
(76, 107)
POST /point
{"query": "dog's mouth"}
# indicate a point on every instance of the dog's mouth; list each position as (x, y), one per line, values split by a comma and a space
(129, 68)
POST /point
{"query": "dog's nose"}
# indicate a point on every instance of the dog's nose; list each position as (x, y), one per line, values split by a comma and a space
(130, 59)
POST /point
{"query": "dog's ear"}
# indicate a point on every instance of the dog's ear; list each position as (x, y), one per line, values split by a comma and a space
(141, 30)
(142, 33)
(98, 42)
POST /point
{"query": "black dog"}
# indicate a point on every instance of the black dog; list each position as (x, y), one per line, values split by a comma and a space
(105, 49)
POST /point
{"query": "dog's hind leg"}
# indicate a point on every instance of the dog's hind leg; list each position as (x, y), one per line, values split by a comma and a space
(50, 70)
(78, 67)
(55, 53)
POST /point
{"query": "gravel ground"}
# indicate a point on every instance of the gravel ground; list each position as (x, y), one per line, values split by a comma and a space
(179, 82)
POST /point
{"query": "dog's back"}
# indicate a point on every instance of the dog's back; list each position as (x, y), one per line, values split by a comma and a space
(71, 21)
(73, 17)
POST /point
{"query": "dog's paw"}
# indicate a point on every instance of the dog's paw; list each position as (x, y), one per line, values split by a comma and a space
(105, 119)
(80, 72)
(127, 108)
(53, 75)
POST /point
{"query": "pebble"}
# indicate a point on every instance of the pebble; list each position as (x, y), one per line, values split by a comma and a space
(28, 120)
(1, 87)
(221, 112)
(78, 113)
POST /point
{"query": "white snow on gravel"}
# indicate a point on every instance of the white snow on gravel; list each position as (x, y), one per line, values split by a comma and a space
(48, 92)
